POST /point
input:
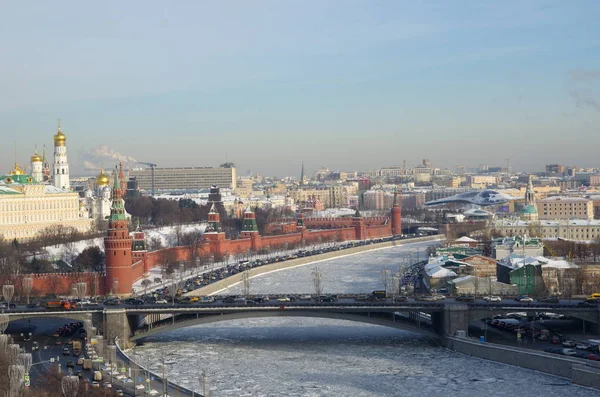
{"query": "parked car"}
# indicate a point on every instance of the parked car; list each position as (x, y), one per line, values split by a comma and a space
(555, 340)
(569, 343)
(162, 302)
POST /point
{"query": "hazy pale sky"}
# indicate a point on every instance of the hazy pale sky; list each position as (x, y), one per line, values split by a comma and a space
(268, 84)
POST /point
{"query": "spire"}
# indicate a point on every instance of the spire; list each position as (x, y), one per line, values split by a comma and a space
(116, 187)
(302, 175)
(122, 180)
(396, 201)
(117, 210)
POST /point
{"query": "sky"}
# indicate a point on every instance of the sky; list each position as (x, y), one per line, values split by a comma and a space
(269, 84)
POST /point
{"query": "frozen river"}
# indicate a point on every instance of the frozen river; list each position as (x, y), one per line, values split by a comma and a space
(308, 357)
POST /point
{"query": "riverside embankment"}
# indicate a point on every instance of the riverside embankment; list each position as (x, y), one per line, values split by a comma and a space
(580, 372)
(228, 282)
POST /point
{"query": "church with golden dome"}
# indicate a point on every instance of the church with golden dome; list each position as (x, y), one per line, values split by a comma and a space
(97, 198)
(29, 203)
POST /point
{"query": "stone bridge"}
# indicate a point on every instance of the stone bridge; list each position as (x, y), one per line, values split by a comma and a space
(435, 320)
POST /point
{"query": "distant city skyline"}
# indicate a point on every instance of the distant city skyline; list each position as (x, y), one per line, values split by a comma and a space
(353, 85)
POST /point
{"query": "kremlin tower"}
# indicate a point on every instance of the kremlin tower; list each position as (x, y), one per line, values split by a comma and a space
(61, 166)
(117, 246)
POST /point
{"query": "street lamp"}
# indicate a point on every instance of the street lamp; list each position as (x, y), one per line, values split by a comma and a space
(165, 373)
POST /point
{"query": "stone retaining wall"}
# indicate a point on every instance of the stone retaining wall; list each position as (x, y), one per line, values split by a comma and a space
(578, 371)
(236, 278)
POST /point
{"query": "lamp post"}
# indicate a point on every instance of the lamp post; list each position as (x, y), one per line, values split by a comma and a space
(165, 373)
(8, 291)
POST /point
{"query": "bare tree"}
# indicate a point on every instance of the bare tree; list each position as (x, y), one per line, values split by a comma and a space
(246, 283)
(317, 279)
(146, 283)
(384, 275)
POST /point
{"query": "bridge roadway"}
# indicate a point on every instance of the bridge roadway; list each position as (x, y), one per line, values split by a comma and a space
(446, 316)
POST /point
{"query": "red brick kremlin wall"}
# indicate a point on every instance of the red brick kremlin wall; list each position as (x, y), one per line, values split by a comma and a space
(215, 244)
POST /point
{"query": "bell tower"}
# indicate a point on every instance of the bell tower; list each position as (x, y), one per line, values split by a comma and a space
(61, 166)
(117, 246)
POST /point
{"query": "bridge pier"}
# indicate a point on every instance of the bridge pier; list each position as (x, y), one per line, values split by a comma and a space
(116, 325)
(455, 318)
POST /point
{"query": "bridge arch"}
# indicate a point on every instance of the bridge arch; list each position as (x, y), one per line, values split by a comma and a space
(213, 318)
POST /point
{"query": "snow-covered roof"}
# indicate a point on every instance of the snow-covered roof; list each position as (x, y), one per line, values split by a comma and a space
(466, 239)
(516, 261)
(477, 212)
(563, 198)
(480, 197)
(556, 263)
(51, 189)
(570, 222)
(463, 279)
(440, 272)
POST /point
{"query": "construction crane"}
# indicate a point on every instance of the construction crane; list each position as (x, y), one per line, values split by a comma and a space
(152, 166)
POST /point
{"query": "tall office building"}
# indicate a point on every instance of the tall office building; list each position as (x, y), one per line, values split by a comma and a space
(185, 178)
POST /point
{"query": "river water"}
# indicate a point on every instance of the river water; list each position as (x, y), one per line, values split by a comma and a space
(311, 357)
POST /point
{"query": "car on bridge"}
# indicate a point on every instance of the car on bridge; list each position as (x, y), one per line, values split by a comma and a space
(492, 298)
(549, 299)
(465, 298)
(326, 298)
(207, 299)
(524, 299)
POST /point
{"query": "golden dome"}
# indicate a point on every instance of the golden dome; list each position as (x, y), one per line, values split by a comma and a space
(59, 138)
(16, 171)
(102, 179)
(36, 158)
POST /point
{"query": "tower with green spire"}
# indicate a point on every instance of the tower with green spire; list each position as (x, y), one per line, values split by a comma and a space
(249, 225)
(118, 246)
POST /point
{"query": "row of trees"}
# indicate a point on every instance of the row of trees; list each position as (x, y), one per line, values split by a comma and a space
(160, 212)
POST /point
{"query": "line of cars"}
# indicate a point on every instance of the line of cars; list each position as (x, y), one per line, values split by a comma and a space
(577, 349)
(165, 294)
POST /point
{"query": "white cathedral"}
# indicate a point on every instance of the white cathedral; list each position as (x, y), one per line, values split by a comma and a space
(97, 198)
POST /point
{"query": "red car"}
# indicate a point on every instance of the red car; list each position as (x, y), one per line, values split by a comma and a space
(555, 340)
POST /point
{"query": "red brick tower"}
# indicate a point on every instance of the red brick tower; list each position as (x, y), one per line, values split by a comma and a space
(250, 229)
(213, 233)
(139, 251)
(397, 215)
(360, 229)
(117, 246)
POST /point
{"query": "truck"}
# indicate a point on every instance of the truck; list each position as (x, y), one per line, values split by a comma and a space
(59, 305)
(76, 347)
(87, 364)
(379, 294)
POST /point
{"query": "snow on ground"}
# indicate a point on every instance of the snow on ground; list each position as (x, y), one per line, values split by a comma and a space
(311, 357)
(166, 235)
